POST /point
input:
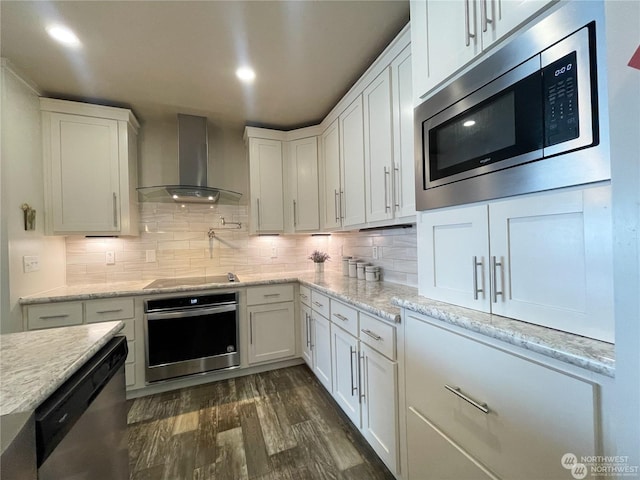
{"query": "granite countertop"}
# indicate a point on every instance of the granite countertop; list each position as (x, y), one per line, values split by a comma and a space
(34, 364)
(384, 300)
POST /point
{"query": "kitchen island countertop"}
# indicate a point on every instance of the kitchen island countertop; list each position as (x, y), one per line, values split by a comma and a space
(34, 364)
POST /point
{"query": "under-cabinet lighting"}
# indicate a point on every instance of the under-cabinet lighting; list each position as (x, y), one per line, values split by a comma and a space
(469, 123)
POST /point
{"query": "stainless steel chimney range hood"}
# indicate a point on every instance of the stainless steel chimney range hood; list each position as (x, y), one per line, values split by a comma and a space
(193, 155)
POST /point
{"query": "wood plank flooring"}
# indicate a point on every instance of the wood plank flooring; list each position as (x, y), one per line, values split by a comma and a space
(275, 425)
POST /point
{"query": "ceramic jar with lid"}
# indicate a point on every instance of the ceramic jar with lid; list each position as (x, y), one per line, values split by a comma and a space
(360, 266)
(345, 265)
(353, 272)
(372, 273)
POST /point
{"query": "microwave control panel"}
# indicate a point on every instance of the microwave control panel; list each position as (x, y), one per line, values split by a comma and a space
(559, 83)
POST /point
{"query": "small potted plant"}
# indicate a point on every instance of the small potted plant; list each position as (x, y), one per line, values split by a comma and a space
(319, 258)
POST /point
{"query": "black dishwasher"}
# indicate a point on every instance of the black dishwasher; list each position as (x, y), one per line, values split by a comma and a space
(81, 429)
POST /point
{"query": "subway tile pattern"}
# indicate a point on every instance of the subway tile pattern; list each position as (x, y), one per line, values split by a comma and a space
(179, 236)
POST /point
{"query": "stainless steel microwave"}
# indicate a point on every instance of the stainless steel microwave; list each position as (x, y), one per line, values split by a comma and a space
(528, 118)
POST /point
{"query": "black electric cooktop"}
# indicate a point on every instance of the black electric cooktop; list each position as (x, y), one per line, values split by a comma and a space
(192, 281)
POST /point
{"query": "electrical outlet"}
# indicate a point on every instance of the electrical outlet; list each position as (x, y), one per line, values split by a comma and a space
(274, 252)
(151, 256)
(111, 258)
(31, 263)
(374, 253)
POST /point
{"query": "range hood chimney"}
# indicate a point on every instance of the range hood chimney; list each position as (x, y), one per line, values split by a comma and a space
(193, 156)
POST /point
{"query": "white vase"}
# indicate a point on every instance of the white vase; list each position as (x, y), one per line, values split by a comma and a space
(319, 267)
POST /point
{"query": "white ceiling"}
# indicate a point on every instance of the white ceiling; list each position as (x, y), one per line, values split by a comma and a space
(164, 57)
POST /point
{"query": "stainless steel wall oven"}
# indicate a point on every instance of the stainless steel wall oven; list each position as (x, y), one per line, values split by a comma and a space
(526, 119)
(190, 335)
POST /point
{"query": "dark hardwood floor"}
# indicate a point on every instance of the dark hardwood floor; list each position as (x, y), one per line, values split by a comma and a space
(275, 425)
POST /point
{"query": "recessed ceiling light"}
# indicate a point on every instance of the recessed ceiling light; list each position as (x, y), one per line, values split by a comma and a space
(63, 35)
(246, 74)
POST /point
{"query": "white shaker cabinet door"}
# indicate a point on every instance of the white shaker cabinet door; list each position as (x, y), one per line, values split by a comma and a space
(303, 158)
(504, 16)
(345, 373)
(352, 156)
(321, 344)
(379, 378)
(266, 184)
(554, 262)
(453, 256)
(85, 174)
(378, 148)
(330, 168)
(404, 202)
(271, 332)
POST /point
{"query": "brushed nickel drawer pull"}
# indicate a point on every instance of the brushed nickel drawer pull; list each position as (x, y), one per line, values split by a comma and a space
(341, 317)
(110, 311)
(377, 338)
(266, 295)
(251, 328)
(495, 264)
(304, 296)
(352, 351)
(456, 391)
(49, 317)
(318, 304)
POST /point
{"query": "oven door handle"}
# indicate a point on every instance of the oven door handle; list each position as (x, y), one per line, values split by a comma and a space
(193, 312)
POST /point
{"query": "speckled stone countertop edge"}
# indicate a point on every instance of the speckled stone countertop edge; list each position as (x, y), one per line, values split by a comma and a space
(32, 399)
(571, 351)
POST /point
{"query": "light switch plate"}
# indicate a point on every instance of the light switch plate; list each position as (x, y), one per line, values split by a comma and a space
(31, 263)
(374, 253)
(111, 258)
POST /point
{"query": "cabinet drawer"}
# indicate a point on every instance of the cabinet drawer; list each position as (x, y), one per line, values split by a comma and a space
(54, 315)
(378, 335)
(344, 316)
(532, 415)
(108, 310)
(269, 294)
(305, 295)
(320, 303)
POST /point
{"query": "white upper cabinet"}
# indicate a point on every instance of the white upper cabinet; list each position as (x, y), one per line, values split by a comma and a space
(330, 208)
(378, 148)
(303, 184)
(447, 35)
(542, 258)
(266, 186)
(90, 165)
(352, 194)
(404, 198)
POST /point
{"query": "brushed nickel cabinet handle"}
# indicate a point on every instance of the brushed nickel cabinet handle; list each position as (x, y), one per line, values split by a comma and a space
(336, 200)
(369, 333)
(341, 317)
(361, 369)
(110, 311)
(115, 210)
(387, 174)
(457, 392)
(49, 317)
(304, 296)
(494, 267)
(318, 304)
(476, 290)
(396, 189)
(295, 222)
(306, 326)
(485, 18)
(267, 295)
(258, 205)
(352, 351)
(251, 328)
(467, 27)
(342, 207)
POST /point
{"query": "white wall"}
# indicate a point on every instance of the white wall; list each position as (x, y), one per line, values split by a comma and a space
(623, 38)
(22, 182)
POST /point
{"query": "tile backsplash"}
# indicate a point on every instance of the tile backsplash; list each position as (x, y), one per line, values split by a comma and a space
(178, 236)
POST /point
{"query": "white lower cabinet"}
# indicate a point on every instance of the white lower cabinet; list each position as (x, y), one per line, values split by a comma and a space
(379, 377)
(321, 346)
(346, 385)
(305, 332)
(271, 332)
(499, 414)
